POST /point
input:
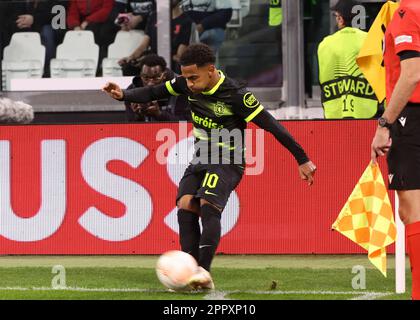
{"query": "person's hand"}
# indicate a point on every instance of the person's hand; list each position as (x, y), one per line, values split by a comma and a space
(152, 109)
(124, 60)
(24, 21)
(113, 90)
(199, 28)
(381, 143)
(133, 21)
(307, 172)
(84, 25)
(136, 107)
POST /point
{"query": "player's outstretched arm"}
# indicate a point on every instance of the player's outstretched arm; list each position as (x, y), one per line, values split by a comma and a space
(137, 95)
(267, 122)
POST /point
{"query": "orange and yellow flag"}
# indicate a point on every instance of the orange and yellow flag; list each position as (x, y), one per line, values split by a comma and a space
(367, 217)
(371, 58)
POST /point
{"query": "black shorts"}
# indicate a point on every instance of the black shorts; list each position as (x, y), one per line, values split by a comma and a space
(404, 155)
(211, 182)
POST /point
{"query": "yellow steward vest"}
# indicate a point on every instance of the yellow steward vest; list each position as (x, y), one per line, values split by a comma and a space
(345, 92)
(275, 14)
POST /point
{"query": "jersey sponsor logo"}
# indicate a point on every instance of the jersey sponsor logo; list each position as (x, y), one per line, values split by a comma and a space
(205, 122)
(250, 101)
(403, 39)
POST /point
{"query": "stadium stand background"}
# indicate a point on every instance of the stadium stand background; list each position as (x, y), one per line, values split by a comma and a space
(249, 40)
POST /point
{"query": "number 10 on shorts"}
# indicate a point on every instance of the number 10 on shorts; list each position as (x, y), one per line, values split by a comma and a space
(210, 180)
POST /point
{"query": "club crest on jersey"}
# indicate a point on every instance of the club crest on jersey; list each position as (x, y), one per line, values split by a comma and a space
(219, 109)
(250, 101)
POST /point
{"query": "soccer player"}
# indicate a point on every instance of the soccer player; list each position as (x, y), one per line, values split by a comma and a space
(219, 105)
(398, 132)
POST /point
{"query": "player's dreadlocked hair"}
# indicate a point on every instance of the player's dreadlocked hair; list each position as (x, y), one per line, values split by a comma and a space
(199, 54)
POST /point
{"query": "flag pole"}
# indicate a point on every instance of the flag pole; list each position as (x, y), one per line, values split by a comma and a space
(399, 251)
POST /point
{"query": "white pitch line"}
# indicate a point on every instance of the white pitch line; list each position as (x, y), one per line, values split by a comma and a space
(216, 295)
(307, 292)
(81, 289)
(371, 296)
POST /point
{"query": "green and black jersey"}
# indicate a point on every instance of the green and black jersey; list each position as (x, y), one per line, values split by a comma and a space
(228, 105)
(220, 117)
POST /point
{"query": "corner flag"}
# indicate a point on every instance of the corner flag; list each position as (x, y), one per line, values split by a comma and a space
(367, 217)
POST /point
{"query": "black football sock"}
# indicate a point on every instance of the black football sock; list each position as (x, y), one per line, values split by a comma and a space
(210, 236)
(189, 232)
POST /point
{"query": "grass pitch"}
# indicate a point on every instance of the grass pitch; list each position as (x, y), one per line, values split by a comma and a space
(266, 277)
